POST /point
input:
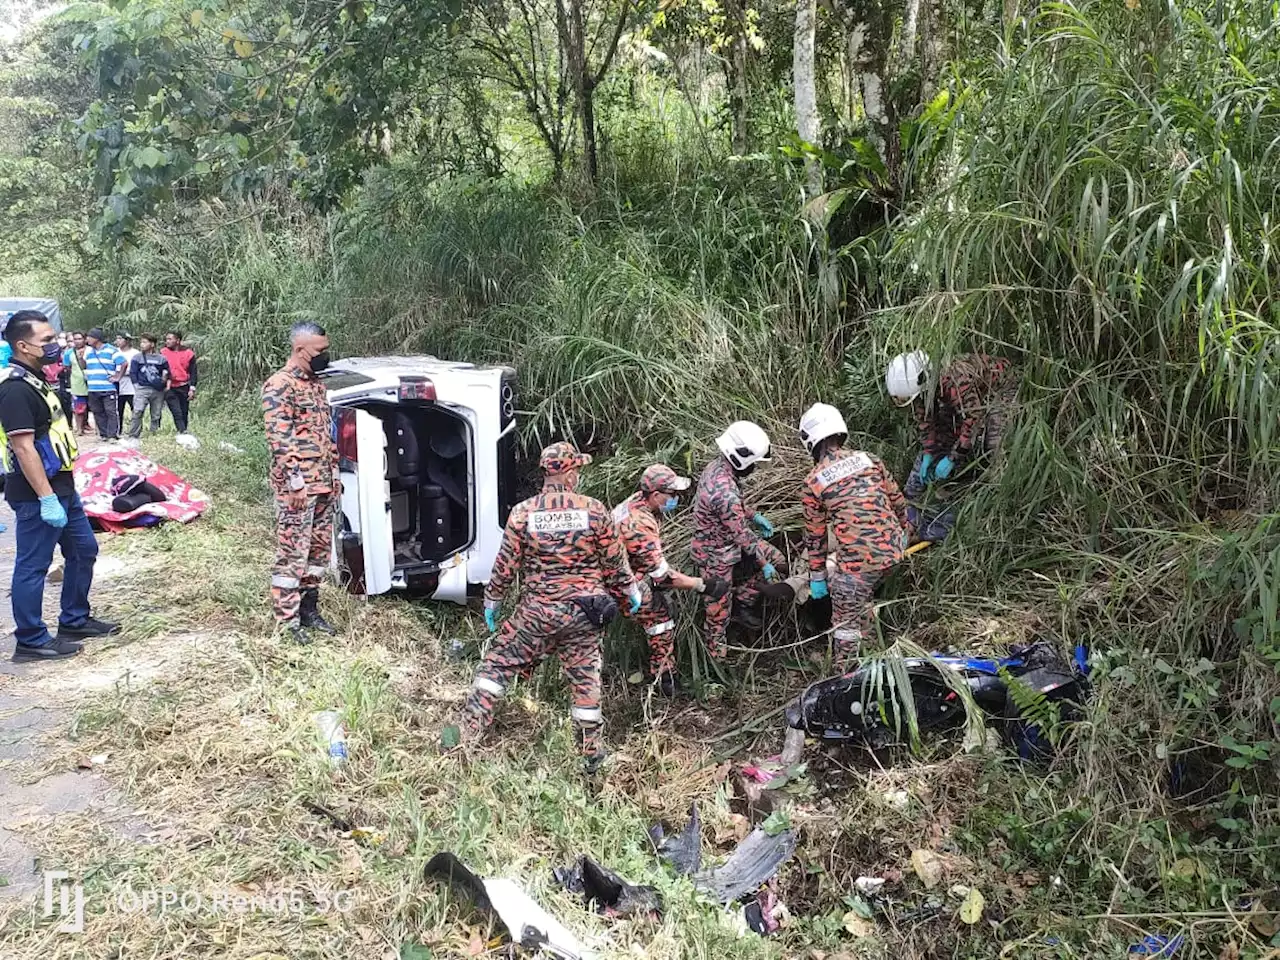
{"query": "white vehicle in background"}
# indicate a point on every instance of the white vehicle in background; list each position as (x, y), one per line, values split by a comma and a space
(427, 457)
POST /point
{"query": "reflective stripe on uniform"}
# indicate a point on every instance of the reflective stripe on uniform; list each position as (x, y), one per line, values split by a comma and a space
(486, 685)
(658, 629)
(847, 633)
(587, 714)
(317, 571)
(661, 571)
(285, 583)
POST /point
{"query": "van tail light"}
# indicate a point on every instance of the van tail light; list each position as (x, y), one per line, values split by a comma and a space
(347, 435)
(417, 388)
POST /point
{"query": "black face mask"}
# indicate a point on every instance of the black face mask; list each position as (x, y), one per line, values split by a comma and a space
(50, 353)
(320, 362)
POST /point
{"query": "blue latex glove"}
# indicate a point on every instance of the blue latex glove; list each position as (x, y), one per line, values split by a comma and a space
(818, 589)
(52, 512)
(925, 463)
(491, 620)
(763, 524)
(635, 603)
(944, 468)
(770, 572)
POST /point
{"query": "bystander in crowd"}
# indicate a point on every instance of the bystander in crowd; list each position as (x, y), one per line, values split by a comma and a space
(182, 379)
(149, 372)
(103, 367)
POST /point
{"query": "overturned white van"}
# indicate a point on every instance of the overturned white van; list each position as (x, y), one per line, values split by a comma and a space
(427, 456)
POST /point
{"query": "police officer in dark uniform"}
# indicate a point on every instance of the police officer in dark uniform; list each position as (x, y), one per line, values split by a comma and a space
(39, 450)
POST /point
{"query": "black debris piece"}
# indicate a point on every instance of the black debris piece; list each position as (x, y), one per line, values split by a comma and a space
(611, 895)
(683, 850)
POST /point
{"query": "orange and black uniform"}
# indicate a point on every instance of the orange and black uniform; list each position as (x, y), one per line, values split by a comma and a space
(641, 535)
(853, 504)
(299, 426)
(968, 393)
(970, 408)
(724, 544)
(573, 573)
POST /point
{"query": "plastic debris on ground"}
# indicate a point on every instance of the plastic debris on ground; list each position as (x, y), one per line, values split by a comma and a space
(187, 441)
(611, 895)
(869, 886)
(683, 850)
(527, 923)
(1157, 945)
(765, 913)
(754, 862)
(227, 446)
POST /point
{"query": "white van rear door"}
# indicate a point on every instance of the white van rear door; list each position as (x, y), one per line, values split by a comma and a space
(374, 493)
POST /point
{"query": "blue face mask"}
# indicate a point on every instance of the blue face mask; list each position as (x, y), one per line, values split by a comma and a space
(670, 504)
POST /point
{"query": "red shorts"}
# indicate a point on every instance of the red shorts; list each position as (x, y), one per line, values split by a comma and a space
(79, 404)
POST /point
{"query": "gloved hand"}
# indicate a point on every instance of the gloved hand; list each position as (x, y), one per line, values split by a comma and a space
(52, 512)
(763, 525)
(491, 619)
(636, 600)
(818, 589)
(714, 587)
(770, 572)
(944, 468)
(925, 463)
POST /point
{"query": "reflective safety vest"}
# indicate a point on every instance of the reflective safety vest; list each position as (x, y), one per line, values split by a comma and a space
(58, 449)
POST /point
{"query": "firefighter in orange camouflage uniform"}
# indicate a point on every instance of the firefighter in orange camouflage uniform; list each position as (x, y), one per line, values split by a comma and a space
(639, 525)
(960, 426)
(574, 574)
(852, 494)
(724, 546)
(304, 463)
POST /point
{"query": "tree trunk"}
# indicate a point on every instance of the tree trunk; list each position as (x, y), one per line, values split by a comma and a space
(808, 124)
(736, 75)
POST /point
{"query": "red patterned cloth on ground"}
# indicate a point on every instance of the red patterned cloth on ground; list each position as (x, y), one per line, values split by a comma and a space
(96, 471)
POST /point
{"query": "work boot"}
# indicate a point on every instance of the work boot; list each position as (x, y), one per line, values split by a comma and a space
(90, 628)
(668, 683)
(309, 612)
(593, 763)
(293, 631)
(57, 649)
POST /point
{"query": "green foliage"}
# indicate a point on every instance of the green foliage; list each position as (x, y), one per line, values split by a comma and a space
(213, 97)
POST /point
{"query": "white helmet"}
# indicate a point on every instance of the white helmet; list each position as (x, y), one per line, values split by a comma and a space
(907, 376)
(820, 421)
(743, 444)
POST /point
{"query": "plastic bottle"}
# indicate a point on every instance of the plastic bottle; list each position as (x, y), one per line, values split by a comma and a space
(333, 735)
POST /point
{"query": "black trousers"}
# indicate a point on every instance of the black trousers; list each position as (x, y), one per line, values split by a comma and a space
(106, 413)
(178, 400)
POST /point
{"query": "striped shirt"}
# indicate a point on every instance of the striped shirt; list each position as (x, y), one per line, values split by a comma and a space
(100, 363)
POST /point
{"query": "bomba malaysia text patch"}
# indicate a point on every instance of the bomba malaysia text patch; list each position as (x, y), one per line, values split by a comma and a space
(848, 467)
(559, 521)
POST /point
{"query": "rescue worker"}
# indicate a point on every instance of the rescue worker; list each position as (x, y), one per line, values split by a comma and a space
(639, 525)
(960, 423)
(574, 575)
(304, 465)
(724, 546)
(849, 498)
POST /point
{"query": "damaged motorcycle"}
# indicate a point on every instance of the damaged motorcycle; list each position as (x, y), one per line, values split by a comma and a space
(1031, 696)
